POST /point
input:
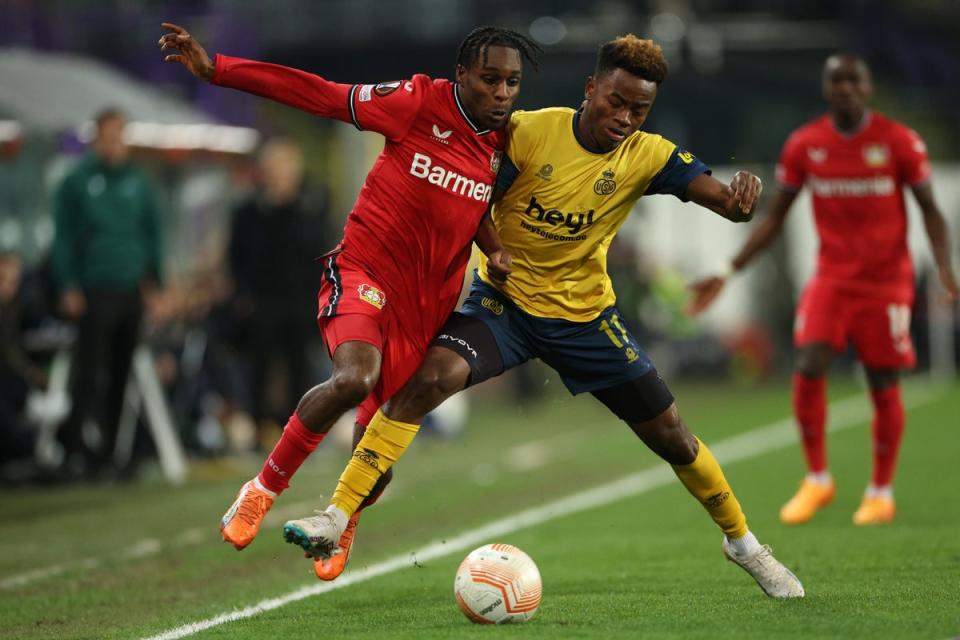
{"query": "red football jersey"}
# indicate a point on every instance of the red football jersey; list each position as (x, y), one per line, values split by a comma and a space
(418, 211)
(856, 182)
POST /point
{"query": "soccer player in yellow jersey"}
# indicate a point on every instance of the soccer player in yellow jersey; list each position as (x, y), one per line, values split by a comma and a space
(568, 180)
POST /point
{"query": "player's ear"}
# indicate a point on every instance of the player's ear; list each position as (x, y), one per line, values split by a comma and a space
(589, 89)
(459, 74)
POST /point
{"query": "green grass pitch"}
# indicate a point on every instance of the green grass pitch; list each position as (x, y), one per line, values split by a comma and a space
(138, 561)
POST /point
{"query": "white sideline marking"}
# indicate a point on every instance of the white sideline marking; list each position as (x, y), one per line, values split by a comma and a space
(149, 547)
(846, 413)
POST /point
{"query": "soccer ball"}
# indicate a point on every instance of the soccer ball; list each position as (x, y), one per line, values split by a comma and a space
(496, 584)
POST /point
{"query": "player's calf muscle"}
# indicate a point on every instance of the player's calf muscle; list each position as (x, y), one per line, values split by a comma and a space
(668, 437)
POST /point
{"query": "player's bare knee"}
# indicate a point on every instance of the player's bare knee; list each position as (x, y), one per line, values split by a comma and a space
(813, 361)
(882, 378)
(441, 375)
(351, 386)
(444, 373)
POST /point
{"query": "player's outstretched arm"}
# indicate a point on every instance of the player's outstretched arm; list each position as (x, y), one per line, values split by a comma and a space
(308, 92)
(189, 53)
(705, 291)
(937, 231)
(735, 202)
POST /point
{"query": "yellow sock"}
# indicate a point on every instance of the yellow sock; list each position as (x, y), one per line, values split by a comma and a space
(383, 443)
(704, 479)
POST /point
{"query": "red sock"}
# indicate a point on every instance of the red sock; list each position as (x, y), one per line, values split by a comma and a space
(810, 409)
(888, 419)
(296, 443)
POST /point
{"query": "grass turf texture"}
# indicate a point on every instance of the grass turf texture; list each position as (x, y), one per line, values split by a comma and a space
(139, 560)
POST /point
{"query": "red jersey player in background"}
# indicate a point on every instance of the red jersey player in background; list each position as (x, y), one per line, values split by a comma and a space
(856, 163)
(396, 276)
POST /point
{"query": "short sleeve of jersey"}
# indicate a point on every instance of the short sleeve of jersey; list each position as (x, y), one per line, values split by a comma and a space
(911, 152)
(678, 171)
(518, 148)
(389, 108)
(790, 170)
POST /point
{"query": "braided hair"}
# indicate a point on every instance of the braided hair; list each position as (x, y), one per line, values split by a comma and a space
(474, 47)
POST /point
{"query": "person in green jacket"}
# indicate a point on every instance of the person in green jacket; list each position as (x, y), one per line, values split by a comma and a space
(106, 256)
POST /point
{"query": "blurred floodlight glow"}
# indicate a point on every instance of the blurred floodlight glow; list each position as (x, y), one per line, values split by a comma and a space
(667, 27)
(10, 130)
(548, 30)
(209, 137)
(10, 234)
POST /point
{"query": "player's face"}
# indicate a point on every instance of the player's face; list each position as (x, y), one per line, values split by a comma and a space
(846, 86)
(490, 86)
(109, 141)
(617, 105)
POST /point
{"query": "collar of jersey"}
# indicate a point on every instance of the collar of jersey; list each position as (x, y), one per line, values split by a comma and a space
(865, 122)
(463, 112)
(581, 141)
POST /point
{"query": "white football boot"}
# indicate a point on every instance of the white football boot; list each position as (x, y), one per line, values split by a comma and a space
(318, 535)
(775, 579)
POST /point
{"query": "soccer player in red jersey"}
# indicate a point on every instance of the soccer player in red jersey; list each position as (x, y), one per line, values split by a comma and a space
(397, 274)
(856, 163)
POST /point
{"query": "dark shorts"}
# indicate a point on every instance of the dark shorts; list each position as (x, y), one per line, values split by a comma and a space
(492, 334)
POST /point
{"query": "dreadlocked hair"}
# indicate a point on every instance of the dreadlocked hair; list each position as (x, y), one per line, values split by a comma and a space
(474, 47)
(642, 58)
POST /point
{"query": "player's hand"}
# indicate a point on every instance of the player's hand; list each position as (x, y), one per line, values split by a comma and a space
(189, 53)
(746, 191)
(498, 266)
(704, 293)
(949, 282)
(73, 304)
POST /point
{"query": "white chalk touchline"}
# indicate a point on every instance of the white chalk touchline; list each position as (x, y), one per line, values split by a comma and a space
(844, 414)
(144, 548)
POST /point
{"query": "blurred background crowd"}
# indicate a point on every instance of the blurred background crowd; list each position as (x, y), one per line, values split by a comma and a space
(205, 346)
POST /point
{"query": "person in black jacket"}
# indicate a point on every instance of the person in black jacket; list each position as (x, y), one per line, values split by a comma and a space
(275, 237)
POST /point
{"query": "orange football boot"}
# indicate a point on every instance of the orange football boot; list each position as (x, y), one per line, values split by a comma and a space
(875, 510)
(810, 498)
(241, 522)
(332, 567)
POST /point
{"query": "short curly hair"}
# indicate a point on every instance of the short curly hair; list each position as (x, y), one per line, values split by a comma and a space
(642, 58)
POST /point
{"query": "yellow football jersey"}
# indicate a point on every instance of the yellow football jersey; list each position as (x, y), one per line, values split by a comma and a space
(565, 204)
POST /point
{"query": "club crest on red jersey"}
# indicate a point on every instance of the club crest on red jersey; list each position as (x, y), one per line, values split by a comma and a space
(876, 155)
(817, 154)
(495, 161)
(372, 295)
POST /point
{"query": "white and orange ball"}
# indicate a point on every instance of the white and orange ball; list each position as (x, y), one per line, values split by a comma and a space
(497, 584)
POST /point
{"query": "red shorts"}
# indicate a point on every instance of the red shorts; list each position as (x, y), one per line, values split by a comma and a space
(353, 306)
(878, 326)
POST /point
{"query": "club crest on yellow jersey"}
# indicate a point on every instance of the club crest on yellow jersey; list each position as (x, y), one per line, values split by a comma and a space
(605, 185)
